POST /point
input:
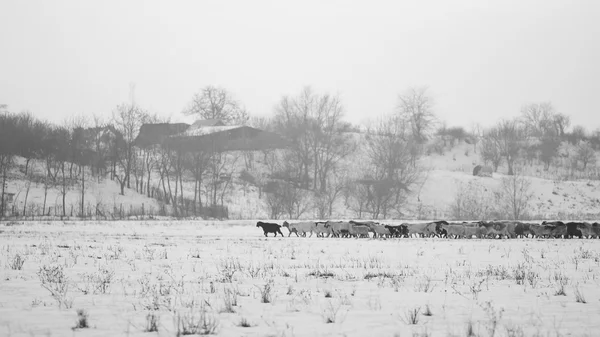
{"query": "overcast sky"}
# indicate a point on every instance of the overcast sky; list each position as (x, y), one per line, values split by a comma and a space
(482, 60)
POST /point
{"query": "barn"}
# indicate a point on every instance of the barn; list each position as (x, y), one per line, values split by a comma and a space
(208, 136)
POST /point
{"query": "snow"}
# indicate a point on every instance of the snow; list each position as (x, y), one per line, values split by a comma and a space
(206, 130)
(173, 262)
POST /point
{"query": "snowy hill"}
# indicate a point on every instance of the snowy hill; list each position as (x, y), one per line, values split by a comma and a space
(443, 176)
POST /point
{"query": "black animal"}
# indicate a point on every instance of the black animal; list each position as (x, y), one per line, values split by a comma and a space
(441, 231)
(269, 228)
(522, 229)
(595, 228)
(573, 230)
(397, 231)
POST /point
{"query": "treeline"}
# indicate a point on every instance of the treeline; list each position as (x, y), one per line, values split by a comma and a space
(372, 169)
(311, 174)
(541, 134)
(64, 152)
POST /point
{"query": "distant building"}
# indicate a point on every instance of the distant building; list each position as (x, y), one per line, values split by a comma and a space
(152, 134)
(208, 135)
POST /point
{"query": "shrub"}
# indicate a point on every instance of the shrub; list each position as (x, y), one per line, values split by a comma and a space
(56, 282)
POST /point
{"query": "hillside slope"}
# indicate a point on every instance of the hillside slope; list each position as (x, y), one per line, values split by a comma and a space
(443, 176)
(101, 197)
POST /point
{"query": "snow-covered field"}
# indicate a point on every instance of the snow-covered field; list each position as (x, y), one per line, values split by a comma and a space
(207, 277)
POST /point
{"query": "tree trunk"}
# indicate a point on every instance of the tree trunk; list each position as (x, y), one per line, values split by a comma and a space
(64, 190)
(26, 195)
(45, 195)
(82, 190)
(4, 165)
(27, 165)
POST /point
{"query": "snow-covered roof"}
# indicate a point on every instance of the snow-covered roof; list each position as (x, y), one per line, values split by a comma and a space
(205, 130)
(207, 122)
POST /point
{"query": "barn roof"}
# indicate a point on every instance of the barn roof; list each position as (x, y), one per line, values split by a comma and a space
(207, 122)
(226, 138)
(151, 134)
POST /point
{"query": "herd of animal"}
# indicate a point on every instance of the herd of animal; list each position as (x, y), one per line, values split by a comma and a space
(478, 229)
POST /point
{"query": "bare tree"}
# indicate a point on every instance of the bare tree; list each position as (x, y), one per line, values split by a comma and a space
(490, 151)
(128, 118)
(514, 196)
(7, 150)
(472, 202)
(509, 137)
(548, 150)
(319, 136)
(585, 154)
(537, 118)
(415, 107)
(390, 174)
(577, 134)
(325, 201)
(561, 124)
(542, 120)
(217, 103)
(476, 135)
(284, 198)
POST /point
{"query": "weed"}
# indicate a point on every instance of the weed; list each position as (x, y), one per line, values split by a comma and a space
(514, 331)
(17, 262)
(82, 320)
(328, 293)
(244, 323)
(579, 298)
(266, 295)
(371, 275)
(397, 282)
(228, 268)
(476, 288)
(331, 312)
(427, 311)
(230, 300)
(192, 323)
(152, 321)
(560, 291)
(470, 332)
(321, 273)
(532, 278)
(411, 316)
(494, 317)
(424, 285)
